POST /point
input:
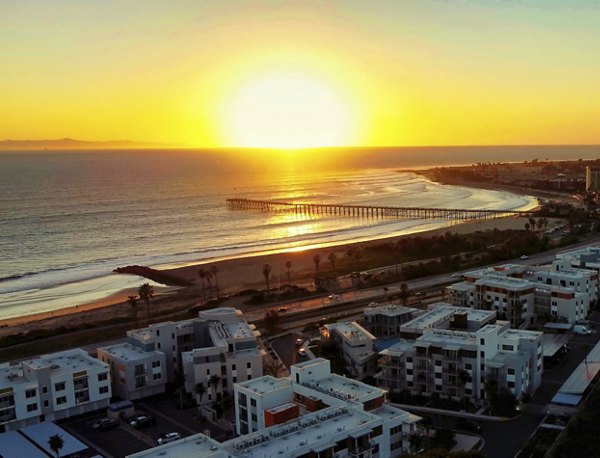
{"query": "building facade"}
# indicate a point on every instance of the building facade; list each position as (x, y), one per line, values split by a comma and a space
(52, 387)
(357, 347)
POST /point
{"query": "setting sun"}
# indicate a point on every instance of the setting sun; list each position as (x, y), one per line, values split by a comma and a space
(288, 111)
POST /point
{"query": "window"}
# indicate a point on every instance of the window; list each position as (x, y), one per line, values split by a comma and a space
(248, 365)
(482, 354)
(46, 403)
(438, 362)
(44, 389)
(173, 336)
(173, 348)
(233, 367)
(30, 393)
(158, 332)
(253, 402)
(32, 407)
(254, 417)
(155, 363)
(409, 359)
(234, 379)
(507, 347)
(103, 390)
(157, 376)
(249, 377)
(482, 341)
(158, 345)
(61, 400)
(468, 366)
(60, 386)
(510, 371)
(103, 376)
(207, 371)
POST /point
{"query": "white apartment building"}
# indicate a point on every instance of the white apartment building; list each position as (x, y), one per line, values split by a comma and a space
(52, 387)
(225, 352)
(312, 414)
(520, 294)
(357, 347)
(386, 320)
(456, 363)
(135, 373)
(446, 316)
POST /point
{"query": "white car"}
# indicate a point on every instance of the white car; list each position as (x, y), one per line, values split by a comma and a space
(169, 437)
(524, 256)
(334, 297)
(302, 352)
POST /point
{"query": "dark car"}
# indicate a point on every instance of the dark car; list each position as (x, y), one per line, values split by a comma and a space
(141, 421)
(105, 424)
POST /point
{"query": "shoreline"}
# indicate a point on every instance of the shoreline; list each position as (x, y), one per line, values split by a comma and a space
(244, 270)
(233, 275)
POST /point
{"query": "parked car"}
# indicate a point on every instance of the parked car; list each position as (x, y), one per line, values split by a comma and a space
(141, 421)
(282, 309)
(524, 256)
(302, 351)
(169, 437)
(581, 330)
(334, 297)
(105, 424)
(299, 341)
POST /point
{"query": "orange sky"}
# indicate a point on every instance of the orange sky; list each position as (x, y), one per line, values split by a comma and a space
(308, 73)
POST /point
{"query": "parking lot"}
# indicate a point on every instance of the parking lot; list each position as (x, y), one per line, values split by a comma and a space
(287, 349)
(125, 440)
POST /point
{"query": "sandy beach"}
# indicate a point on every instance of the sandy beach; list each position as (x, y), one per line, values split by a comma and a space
(233, 275)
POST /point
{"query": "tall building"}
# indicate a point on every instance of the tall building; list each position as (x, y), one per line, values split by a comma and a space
(592, 179)
(311, 414)
(52, 387)
(357, 347)
(453, 359)
(135, 373)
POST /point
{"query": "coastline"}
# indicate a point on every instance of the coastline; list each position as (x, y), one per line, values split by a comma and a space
(233, 275)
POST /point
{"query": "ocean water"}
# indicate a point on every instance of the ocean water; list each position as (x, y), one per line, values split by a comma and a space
(68, 219)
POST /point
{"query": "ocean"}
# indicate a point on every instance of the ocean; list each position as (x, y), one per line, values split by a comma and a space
(69, 218)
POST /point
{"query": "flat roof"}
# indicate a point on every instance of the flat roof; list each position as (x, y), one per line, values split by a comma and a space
(441, 313)
(194, 446)
(40, 432)
(583, 374)
(127, 352)
(65, 362)
(351, 330)
(14, 445)
(389, 310)
(552, 343)
(345, 388)
(265, 384)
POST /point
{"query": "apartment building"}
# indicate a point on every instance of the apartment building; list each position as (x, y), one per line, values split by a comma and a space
(311, 414)
(357, 347)
(52, 387)
(455, 364)
(521, 294)
(225, 352)
(386, 320)
(135, 373)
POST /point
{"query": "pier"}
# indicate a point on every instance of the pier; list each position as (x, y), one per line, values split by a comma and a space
(371, 211)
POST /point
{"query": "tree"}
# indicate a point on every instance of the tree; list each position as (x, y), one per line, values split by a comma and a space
(527, 226)
(288, 266)
(215, 270)
(209, 276)
(415, 441)
(202, 275)
(200, 391)
(146, 292)
(317, 261)
(266, 270)
(56, 443)
(404, 293)
(332, 258)
(213, 382)
(444, 438)
(427, 424)
(132, 301)
(272, 321)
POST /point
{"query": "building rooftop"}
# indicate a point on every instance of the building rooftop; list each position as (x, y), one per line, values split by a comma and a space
(265, 384)
(346, 388)
(441, 314)
(398, 349)
(196, 446)
(126, 352)
(351, 331)
(65, 362)
(13, 444)
(389, 310)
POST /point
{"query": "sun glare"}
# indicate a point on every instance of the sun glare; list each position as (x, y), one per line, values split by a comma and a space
(288, 111)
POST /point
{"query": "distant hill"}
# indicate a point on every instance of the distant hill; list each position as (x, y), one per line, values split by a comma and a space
(72, 144)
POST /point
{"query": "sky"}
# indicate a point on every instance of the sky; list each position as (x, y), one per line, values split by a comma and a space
(302, 73)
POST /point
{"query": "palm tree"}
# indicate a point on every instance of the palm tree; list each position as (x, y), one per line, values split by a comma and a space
(332, 259)
(213, 382)
(532, 224)
(202, 275)
(288, 266)
(209, 276)
(540, 225)
(146, 292)
(317, 261)
(266, 270)
(214, 270)
(132, 301)
(200, 391)
(56, 444)
(404, 293)
(527, 226)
